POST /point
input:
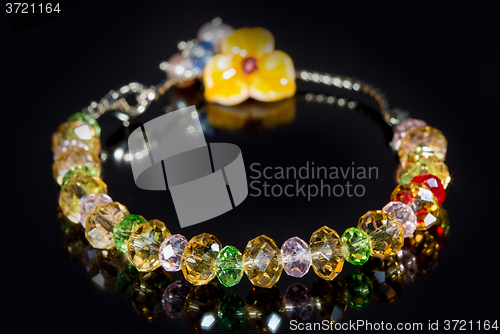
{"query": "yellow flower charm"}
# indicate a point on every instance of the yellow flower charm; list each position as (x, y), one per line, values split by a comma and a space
(248, 66)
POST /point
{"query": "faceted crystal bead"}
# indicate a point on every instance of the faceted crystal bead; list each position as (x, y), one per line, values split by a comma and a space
(147, 292)
(299, 302)
(263, 263)
(384, 230)
(75, 156)
(404, 215)
(426, 137)
(296, 256)
(77, 171)
(198, 259)
(330, 299)
(174, 298)
(100, 223)
(178, 66)
(144, 245)
(265, 308)
(328, 254)
(75, 190)
(229, 266)
(231, 312)
(423, 163)
(421, 200)
(122, 230)
(387, 279)
(401, 128)
(408, 263)
(171, 251)
(433, 183)
(359, 288)
(104, 269)
(201, 306)
(66, 145)
(76, 130)
(79, 116)
(357, 245)
(89, 203)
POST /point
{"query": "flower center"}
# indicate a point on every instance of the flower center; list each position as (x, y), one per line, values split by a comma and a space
(249, 65)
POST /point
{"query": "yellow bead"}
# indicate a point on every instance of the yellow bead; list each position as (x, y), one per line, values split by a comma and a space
(198, 259)
(144, 245)
(78, 130)
(100, 223)
(73, 192)
(385, 232)
(75, 156)
(426, 137)
(421, 162)
(422, 201)
(263, 263)
(328, 254)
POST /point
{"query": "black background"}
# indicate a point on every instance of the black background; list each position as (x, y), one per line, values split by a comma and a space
(439, 62)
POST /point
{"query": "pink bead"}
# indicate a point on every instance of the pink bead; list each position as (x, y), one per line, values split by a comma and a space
(89, 203)
(296, 256)
(66, 145)
(404, 215)
(171, 251)
(404, 126)
(213, 33)
(177, 67)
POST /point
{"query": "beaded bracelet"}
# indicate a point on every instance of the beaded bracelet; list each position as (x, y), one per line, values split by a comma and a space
(235, 65)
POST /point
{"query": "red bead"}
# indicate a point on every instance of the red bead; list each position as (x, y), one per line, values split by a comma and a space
(434, 184)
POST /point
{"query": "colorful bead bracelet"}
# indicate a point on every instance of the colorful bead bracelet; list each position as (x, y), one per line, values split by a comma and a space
(235, 65)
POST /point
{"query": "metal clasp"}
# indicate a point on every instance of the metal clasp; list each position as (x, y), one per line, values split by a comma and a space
(115, 102)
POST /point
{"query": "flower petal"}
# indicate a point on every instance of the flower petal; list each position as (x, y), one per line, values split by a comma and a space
(224, 81)
(275, 78)
(249, 42)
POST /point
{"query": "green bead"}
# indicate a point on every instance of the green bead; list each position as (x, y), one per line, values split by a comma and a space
(231, 312)
(229, 266)
(358, 246)
(77, 171)
(80, 116)
(359, 288)
(122, 230)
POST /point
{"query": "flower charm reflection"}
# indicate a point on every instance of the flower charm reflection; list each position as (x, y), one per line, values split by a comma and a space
(248, 66)
(268, 115)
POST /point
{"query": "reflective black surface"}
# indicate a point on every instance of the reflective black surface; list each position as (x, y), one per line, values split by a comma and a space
(427, 61)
